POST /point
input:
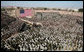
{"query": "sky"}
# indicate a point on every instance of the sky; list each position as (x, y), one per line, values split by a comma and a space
(49, 4)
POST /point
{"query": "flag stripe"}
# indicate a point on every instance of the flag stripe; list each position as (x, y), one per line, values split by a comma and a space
(26, 13)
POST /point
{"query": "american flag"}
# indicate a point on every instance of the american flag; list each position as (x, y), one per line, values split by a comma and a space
(26, 12)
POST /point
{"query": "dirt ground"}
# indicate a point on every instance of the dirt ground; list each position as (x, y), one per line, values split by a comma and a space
(62, 12)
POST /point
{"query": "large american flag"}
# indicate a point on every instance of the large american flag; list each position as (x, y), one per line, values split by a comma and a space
(26, 12)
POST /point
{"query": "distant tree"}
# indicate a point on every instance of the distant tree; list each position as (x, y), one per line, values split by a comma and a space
(2, 9)
(53, 8)
(73, 11)
(45, 8)
(59, 9)
(80, 10)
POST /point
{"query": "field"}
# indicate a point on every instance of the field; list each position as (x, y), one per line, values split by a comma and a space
(60, 31)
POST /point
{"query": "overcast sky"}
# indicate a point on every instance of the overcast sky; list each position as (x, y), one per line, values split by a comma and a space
(50, 4)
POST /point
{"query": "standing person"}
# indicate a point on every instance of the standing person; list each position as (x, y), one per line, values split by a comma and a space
(17, 12)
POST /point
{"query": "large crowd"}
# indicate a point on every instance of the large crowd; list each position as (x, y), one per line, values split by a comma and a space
(58, 33)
